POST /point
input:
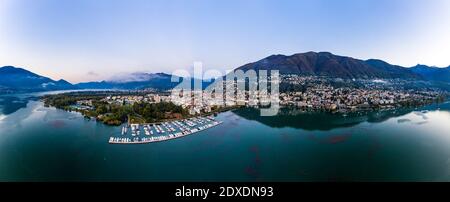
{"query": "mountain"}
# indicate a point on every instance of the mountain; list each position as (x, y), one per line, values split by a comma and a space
(393, 71)
(135, 81)
(310, 63)
(14, 79)
(432, 73)
(18, 79)
(327, 64)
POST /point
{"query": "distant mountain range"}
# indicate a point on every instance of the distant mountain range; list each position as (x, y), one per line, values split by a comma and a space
(134, 81)
(13, 79)
(432, 73)
(310, 63)
(327, 64)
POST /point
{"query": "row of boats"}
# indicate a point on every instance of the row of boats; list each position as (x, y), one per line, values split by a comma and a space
(165, 131)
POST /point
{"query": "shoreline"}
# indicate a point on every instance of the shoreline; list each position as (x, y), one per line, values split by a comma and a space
(368, 109)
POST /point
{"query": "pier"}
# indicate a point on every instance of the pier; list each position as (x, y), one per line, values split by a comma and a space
(163, 131)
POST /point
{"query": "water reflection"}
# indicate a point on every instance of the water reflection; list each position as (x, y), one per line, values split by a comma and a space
(403, 120)
(10, 103)
(322, 121)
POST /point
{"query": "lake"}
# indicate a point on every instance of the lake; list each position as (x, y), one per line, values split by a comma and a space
(47, 144)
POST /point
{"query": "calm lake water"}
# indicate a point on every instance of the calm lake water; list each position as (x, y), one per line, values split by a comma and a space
(46, 144)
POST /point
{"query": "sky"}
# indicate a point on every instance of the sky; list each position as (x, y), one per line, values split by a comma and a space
(90, 40)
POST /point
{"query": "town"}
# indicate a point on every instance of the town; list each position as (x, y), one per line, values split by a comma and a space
(322, 94)
(309, 93)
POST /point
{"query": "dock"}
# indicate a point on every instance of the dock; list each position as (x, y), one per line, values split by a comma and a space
(163, 131)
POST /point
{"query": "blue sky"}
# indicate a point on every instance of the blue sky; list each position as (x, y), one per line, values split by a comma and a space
(87, 40)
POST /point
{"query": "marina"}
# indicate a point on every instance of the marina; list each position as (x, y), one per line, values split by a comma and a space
(148, 133)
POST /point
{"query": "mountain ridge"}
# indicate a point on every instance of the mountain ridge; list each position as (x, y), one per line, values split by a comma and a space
(144, 80)
(308, 63)
(433, 73)
(328, 64)
(19, 79)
